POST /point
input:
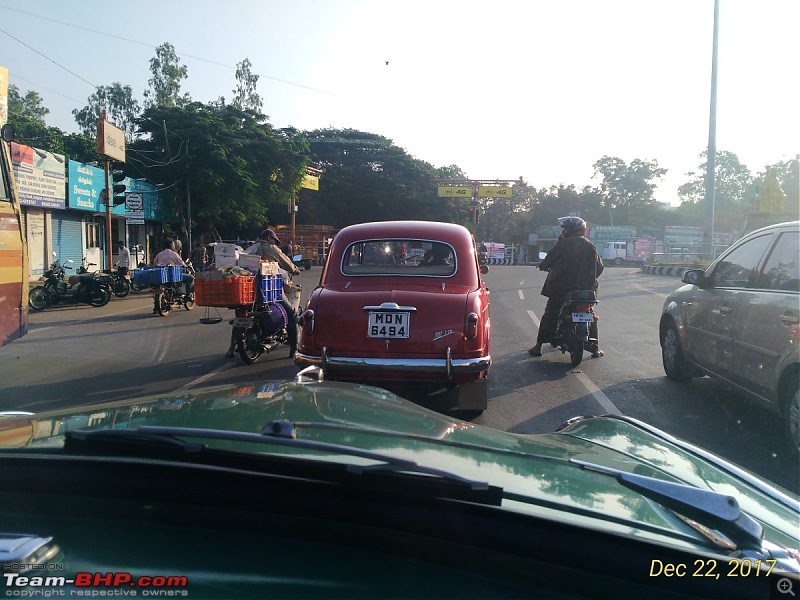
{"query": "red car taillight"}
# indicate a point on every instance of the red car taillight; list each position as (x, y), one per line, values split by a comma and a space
(471, 326)
(308, 322)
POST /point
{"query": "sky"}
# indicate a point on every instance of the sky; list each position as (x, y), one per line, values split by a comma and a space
(503, 89)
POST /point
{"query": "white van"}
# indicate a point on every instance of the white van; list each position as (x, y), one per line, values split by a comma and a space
(614, 252)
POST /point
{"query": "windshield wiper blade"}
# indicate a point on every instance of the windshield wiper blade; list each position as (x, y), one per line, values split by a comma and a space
(708, 508)
(149, 437)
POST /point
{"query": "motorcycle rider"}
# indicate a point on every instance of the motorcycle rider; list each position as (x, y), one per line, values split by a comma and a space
(572, 264)
(268, 248)
(168, 257)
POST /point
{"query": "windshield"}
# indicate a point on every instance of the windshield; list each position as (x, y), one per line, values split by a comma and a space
(399, 257)
(177, 212)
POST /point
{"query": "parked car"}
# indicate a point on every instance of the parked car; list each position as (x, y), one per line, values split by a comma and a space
(316, 489)
(739, 321)
(390, 309)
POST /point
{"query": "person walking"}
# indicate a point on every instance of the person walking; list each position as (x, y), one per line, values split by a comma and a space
(572, 264)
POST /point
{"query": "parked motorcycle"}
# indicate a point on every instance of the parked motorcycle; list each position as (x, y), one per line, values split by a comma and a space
(169, 295)
(576, 330)
(120, 281)
(93, 289)
(258, 330)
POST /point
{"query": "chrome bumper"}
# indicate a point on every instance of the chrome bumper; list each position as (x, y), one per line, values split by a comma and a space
(446, 366)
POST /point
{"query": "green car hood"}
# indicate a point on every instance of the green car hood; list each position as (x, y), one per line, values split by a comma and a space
(547, 468)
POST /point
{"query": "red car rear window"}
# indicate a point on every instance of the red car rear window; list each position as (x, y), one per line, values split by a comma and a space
(393, 257)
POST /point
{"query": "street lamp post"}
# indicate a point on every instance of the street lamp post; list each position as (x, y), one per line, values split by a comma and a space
(711, 158)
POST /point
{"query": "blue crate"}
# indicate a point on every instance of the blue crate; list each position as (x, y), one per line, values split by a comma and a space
(271, 289)
(174, 273)
(150, 275)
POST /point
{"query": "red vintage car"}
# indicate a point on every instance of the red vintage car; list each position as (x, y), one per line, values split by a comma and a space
(403, 302)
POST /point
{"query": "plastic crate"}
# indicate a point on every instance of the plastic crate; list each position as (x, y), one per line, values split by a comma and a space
(174, 273)
(271, 289)
(234, 291)
(150, 275)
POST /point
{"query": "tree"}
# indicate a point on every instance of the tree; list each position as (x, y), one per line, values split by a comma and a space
(245, 96)
(733, 191)
(241, 171)
(27, 107)
(628, 188)
(165, 85)
(367, 178)
(118, 102)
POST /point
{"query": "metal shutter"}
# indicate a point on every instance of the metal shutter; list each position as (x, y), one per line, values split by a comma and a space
(68, 237)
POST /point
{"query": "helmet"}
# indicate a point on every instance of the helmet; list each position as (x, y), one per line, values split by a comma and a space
(268, 235)
(572, 226)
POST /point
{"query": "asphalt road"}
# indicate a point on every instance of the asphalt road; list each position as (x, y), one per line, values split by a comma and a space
(79, 355)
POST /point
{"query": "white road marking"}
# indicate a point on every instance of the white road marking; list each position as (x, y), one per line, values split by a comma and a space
(603, 400)
(521, 295)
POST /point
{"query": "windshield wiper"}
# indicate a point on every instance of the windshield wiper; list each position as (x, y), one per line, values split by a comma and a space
(159, 439)
(708, 509)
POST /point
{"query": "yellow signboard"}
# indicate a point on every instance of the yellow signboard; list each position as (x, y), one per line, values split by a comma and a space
(455, 191)
(494, 191)
(310, 182)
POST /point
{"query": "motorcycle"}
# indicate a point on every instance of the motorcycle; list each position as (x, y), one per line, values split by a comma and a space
(169, 295)
(120, 279)
(259, 330)
(121, 284)
(93, 289)
(576, 330)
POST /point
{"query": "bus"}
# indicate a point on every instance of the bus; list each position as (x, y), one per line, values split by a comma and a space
(13, 251)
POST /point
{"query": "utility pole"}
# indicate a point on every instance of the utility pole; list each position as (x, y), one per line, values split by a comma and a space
(711, 162)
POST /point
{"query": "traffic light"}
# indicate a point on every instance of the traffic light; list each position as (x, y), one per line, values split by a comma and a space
(117, 174)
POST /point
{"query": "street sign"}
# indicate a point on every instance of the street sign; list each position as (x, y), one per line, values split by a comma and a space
(455, 191)
(310, 182)
(133, 201)
(494, 191)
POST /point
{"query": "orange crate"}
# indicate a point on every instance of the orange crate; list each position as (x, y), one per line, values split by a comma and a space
(234, 291)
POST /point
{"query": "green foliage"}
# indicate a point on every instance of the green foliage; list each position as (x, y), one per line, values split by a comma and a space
(245, 95)
(367, 178)
(28, 107)
(733, 192)
(240, 170)
(120, 106)
(165, 85)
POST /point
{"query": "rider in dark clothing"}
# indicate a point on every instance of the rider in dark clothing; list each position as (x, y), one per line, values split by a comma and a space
(572, 264)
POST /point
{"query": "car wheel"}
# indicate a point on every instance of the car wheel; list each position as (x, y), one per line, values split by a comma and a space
(675, 364)
(791, 414)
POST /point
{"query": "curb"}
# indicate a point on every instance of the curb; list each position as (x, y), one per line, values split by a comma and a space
(658, 270)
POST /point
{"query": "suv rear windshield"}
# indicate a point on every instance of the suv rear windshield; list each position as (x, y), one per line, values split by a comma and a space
(404, 257)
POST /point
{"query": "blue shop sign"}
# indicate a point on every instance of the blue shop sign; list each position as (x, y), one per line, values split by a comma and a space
(85, 184)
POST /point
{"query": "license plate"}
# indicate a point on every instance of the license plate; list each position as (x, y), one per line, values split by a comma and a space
(243, 322)
(393, 325)
(582, 317)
